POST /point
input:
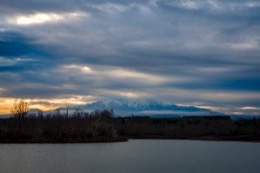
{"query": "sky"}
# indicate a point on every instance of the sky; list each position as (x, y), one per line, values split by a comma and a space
(204, 53)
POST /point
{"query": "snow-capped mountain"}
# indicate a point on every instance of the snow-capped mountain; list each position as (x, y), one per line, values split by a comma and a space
(149, 107)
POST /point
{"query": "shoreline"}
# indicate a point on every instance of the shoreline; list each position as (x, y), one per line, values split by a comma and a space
(128, 139)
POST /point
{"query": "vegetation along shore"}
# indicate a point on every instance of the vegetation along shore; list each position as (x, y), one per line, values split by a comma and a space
(102, 126)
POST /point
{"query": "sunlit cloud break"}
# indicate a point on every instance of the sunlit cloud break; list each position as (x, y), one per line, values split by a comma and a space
(41, 18)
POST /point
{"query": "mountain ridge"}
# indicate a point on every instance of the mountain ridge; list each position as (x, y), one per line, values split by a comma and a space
(124, 107)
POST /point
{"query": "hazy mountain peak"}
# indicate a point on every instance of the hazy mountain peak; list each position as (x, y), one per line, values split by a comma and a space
(125, 107)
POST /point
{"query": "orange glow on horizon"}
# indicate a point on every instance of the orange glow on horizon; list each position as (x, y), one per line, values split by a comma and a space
(45, 104)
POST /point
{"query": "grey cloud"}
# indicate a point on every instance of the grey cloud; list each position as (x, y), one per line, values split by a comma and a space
(210, 47)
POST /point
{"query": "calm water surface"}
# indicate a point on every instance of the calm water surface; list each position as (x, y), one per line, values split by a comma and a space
(135, 156)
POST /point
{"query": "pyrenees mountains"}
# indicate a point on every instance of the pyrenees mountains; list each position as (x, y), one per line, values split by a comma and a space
(144, 107)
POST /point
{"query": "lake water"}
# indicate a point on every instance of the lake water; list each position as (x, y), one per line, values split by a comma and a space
(134, 156)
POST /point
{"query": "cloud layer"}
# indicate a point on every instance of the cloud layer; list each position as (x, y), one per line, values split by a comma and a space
(199, 52)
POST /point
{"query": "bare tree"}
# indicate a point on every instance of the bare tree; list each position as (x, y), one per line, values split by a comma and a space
(78, 113)
(40, 113)
(57, 112)
(20, 108)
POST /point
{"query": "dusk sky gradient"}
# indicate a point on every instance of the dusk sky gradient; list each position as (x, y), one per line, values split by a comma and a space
(204, 53)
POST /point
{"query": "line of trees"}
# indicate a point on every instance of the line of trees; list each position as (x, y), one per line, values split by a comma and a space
(80, 126)
(102, 126)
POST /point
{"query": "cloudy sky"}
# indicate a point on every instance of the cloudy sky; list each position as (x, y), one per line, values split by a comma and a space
(204, 53)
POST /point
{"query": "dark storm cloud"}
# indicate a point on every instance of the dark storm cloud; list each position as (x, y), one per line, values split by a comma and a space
(159, 45)
(15, 44)
(223, 84)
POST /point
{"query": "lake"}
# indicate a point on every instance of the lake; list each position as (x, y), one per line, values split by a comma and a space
(134, 156)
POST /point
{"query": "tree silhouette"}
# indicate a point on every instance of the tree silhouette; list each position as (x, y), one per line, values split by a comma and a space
(19, 109)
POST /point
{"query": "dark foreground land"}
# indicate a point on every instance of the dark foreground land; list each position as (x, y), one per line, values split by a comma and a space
(101, 126)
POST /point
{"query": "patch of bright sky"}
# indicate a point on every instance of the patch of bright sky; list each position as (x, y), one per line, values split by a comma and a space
(41, 18)
(46, 104)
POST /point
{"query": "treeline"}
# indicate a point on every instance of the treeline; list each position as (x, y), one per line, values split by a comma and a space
(97, 126)
(102, 126)
(202, 128)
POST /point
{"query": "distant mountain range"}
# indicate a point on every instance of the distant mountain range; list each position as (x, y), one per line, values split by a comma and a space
(144, 107)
